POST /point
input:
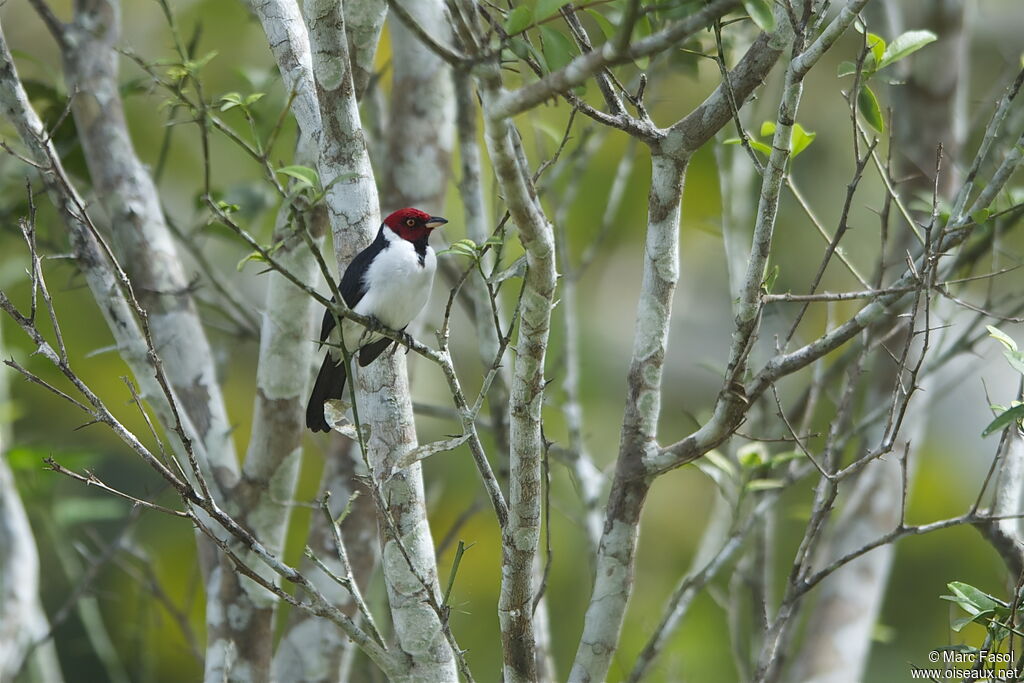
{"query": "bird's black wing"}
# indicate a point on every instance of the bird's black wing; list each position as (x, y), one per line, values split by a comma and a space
(369, 353)
(353, 285)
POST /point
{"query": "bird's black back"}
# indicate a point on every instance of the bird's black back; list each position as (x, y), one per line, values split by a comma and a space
(353, 282)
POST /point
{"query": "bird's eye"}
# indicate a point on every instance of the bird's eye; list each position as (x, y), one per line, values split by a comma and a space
(410, 222)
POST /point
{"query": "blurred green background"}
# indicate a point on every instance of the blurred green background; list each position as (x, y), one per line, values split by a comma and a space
(72, 521)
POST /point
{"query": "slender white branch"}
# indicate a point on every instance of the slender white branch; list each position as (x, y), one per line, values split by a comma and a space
(521, 535)
(616, 553)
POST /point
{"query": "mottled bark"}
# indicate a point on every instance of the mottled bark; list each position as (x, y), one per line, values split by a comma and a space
(616, 554)
(263, 494)
(384, 403)
(309, 652)
(521, 534)
(421, 131)
(141, 240)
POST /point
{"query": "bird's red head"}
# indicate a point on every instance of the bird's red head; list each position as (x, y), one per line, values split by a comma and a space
(412, 224)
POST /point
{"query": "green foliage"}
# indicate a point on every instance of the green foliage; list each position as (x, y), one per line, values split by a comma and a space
(558, 50)
(548, 8)
(470, 249)
(904, 45)
(234, 99)
(867, 105)
(306, 176)
(192, 67)
(769, 280)
(259, 257)
(801, 140)
(752, 455)
(761, 12)
(519, 20)
(876, 47)
(607, 27)
(981, 608)
(1015, 412)
(879, 57)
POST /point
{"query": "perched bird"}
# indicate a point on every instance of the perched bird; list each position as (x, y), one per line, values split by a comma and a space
(390, 280)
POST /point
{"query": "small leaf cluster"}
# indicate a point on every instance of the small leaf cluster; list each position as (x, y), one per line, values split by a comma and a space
(981, 608)
(754, 469)
(470, 249)
(879, 57)
(802, 139)
(234, 99)
(188, 68)
(1006, 415)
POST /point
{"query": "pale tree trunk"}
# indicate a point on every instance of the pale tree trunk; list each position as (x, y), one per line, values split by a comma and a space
(241, 614)
(384, 403)
(617, 551)
(142, 241)
(421, 131)
(295, 661)
(24, 629)
(474, 209)
(310, 651)
(104, 279)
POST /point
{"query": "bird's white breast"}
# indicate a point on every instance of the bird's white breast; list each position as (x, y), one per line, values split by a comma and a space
(397, 289)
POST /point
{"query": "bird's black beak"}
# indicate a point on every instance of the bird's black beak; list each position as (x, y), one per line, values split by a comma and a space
(436, 222)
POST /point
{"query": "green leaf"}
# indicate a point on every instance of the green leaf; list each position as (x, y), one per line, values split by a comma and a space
(981, 215)
(547, 8)
(558, 50)
(607, 28)
(1001, 337)
(764, 484)
(977, 598)
(1015, 359)
(463, 247)
(721, 462)
(754, 144)
(253, 98)
(752, 455)
(1005, 418)
(522, 49)
(959, 623)
(869, 108)
(761, 12)
(767, 128)
(231, 100)
(770, 278)
(304, 174)
(253, 256)
(801, 139)
(846, 69)
(877, 46)
(519, 20)
(783, 458)
(80, 510)
(905, 44)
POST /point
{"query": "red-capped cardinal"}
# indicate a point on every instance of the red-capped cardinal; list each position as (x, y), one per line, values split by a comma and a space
(390, 280)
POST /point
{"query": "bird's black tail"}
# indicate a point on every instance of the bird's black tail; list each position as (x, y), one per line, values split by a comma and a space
(330, 384)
